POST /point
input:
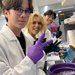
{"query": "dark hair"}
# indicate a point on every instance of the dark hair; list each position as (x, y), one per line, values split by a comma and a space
(50, 12)
(8, 4)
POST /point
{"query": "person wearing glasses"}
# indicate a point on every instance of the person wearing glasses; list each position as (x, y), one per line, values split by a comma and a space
(14, 58)
(49, 17)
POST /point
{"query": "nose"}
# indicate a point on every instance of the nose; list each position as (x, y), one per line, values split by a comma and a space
(37, 24)
(50, 19)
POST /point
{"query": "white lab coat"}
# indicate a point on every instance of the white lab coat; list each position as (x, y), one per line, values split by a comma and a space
(30, 42)
(12, 59)
(48, 35)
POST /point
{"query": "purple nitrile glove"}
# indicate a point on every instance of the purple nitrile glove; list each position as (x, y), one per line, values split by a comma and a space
(35, 52)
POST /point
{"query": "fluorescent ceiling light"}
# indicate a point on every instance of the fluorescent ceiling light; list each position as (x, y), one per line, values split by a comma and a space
(45, 8)
(62, 3)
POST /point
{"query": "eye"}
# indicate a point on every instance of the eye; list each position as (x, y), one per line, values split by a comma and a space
(39, 23)
(27, 11)
(19, 10)
(34, 22)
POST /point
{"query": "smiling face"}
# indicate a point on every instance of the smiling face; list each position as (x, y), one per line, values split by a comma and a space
(35, 26)
(49, 19)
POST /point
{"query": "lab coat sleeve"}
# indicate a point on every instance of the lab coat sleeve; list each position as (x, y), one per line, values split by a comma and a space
(40, 65)
(48, 35)
(25, 67)
(41, 62)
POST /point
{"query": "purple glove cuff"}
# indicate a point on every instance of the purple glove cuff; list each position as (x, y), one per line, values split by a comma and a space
(36, 57)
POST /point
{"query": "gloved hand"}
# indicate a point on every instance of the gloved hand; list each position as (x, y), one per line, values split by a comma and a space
(35, 52)
(58, 33)
(53, 47)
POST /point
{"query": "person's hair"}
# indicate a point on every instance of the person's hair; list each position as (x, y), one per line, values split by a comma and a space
(30, 21)
(9, 4)
(50, 13)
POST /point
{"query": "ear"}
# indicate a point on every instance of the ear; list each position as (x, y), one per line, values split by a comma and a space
(5, 12)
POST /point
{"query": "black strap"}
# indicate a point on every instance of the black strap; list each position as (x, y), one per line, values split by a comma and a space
(45, 67)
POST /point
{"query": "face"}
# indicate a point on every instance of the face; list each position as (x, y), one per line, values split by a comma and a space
(49, 19)
(35, 26)
(18, 18)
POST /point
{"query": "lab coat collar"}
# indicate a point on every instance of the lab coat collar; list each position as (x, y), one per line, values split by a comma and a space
(27, 34)
(6, 31)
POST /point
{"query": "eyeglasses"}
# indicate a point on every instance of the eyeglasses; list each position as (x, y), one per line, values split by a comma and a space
(20, 11)
(51, 16)
(34, 22)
